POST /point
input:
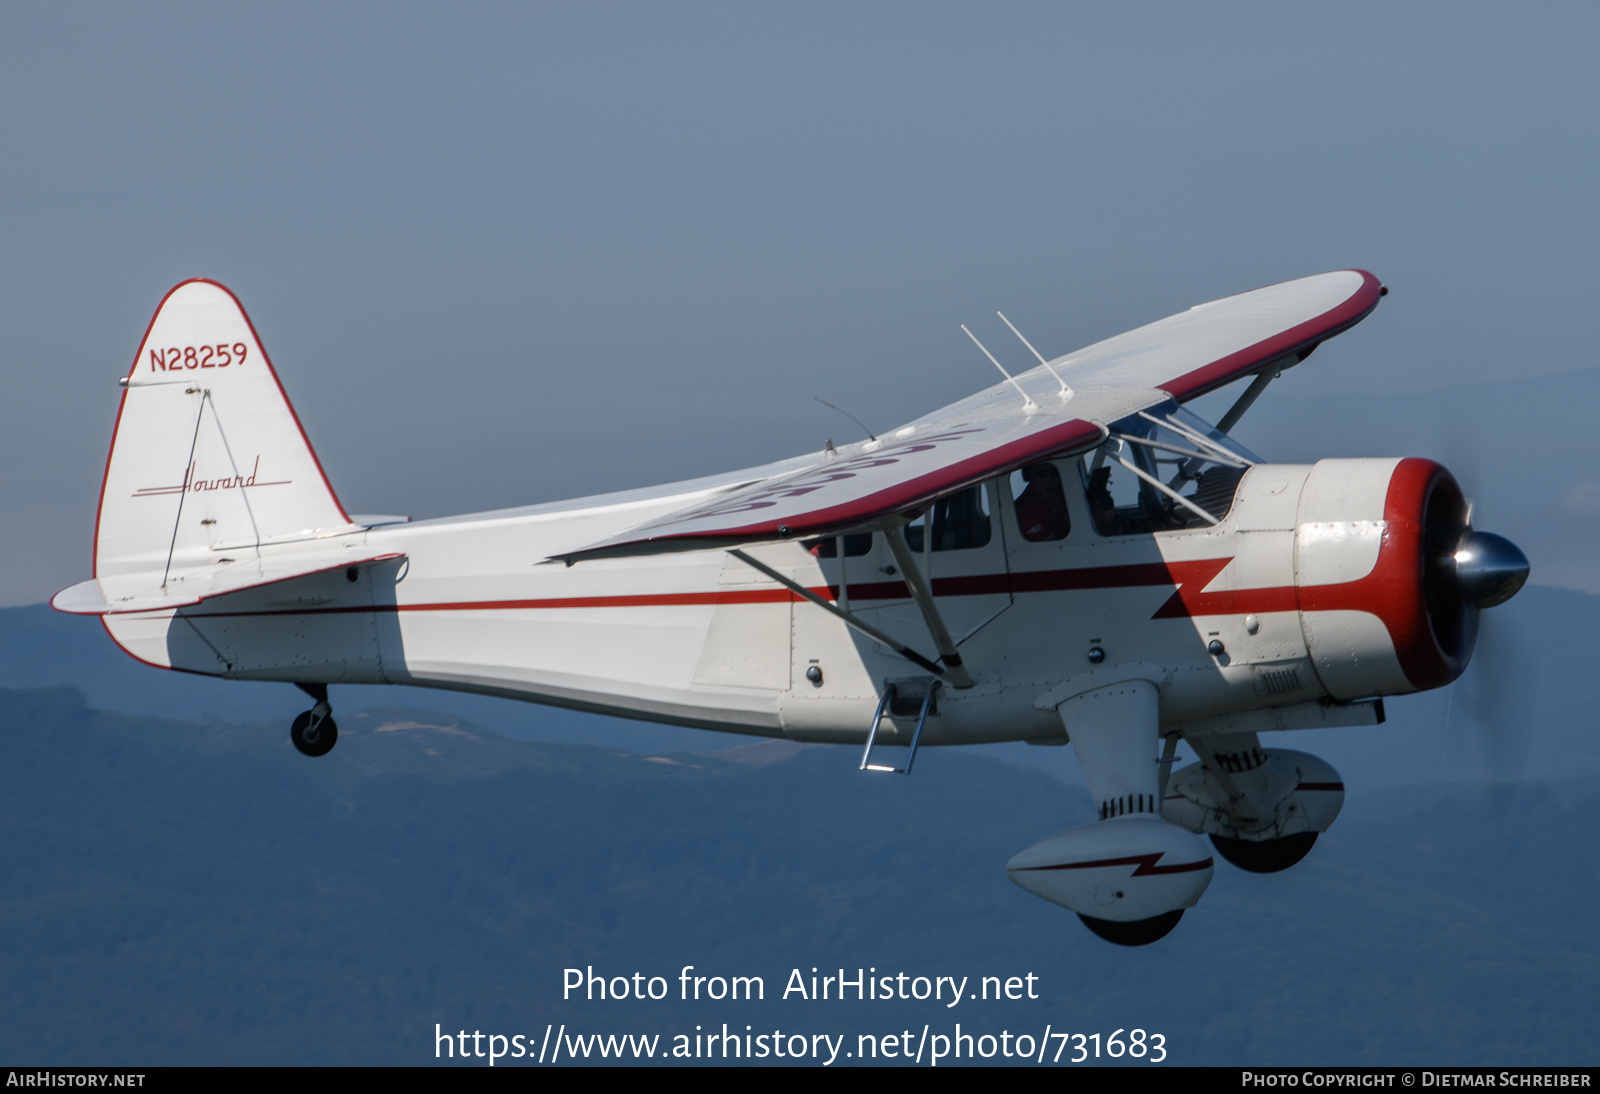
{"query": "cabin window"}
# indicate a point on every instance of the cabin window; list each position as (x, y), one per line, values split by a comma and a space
(828, 546)
(960, 522)
(1160, 470)
(1040, 502)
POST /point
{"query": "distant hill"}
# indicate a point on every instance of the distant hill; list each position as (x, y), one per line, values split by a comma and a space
(39, 647)
(196, 892)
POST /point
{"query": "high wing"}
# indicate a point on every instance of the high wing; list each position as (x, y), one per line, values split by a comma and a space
(996, 431)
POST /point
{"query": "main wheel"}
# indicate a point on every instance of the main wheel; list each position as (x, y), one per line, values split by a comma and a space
(314, 742)
(1266, 856)
(1141, 932)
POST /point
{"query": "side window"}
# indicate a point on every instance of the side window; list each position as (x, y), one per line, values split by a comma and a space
(1114, 514)
(1121, 503)
(960, 522)
(1160, 470)
(828, 546)
(1041, 503)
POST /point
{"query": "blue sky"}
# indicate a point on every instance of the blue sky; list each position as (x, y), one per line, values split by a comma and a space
(503, 254)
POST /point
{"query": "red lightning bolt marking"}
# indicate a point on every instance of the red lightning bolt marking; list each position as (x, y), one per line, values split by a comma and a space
(1146, 863)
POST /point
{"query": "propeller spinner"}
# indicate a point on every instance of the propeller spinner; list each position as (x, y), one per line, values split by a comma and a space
(1490, 569)
(1464, 570)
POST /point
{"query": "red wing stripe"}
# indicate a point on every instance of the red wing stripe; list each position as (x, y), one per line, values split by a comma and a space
(910, 493)
(1301, 338)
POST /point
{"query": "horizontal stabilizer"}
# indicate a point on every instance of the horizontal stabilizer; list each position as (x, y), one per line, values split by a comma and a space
(119, 594)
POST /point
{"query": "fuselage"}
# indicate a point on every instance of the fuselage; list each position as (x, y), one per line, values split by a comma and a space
(1295, 610)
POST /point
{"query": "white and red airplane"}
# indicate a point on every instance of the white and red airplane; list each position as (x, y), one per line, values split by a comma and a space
(1066, 557)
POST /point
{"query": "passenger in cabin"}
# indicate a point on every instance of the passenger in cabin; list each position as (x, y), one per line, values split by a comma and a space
(1042, 505)
(960, 522)
(857, 544)
(1101, 505)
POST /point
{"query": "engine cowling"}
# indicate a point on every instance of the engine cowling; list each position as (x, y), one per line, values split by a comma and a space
(1390, 575)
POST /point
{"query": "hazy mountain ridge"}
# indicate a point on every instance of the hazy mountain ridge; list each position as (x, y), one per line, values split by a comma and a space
(189, 892)
(1540, 663)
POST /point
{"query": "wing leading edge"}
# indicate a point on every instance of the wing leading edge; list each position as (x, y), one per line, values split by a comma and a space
(994, 432)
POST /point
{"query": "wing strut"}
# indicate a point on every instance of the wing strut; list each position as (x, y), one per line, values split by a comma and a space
(1228, 421)
(955, 671)
(1169, 752)
(850, 618)
(1167, 490)
(188, 469)
(1251, 394)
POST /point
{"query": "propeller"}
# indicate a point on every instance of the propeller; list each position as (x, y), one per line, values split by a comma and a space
(1491, 715)
(1489, 706)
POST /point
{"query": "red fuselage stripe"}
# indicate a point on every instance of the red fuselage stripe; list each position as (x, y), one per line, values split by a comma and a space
(1188, 600)
(1189, 577)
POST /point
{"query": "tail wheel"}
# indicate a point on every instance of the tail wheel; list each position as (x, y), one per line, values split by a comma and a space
(1140, 932)
(1266, 856)
(314, 739)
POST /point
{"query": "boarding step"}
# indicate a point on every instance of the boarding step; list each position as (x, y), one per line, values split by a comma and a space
(900, 698)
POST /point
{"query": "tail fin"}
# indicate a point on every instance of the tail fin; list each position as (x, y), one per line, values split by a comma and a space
(208, 462)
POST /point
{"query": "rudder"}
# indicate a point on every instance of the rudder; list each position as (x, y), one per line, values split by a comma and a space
(208, 461)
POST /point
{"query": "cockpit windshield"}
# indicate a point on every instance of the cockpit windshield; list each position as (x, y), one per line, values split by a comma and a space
(1163, 469)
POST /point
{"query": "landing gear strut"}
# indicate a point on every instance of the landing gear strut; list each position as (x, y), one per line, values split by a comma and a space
(314, 732)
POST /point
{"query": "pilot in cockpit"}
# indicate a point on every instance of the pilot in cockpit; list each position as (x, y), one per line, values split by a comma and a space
(1042, 504)
(1101, 505)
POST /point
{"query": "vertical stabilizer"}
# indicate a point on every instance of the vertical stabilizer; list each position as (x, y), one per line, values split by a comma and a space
(208, 461)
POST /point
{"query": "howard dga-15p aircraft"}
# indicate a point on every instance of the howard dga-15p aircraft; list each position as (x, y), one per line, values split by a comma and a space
(1068, 557)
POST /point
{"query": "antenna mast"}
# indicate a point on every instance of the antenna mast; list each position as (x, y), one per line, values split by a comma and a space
(847, 414)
